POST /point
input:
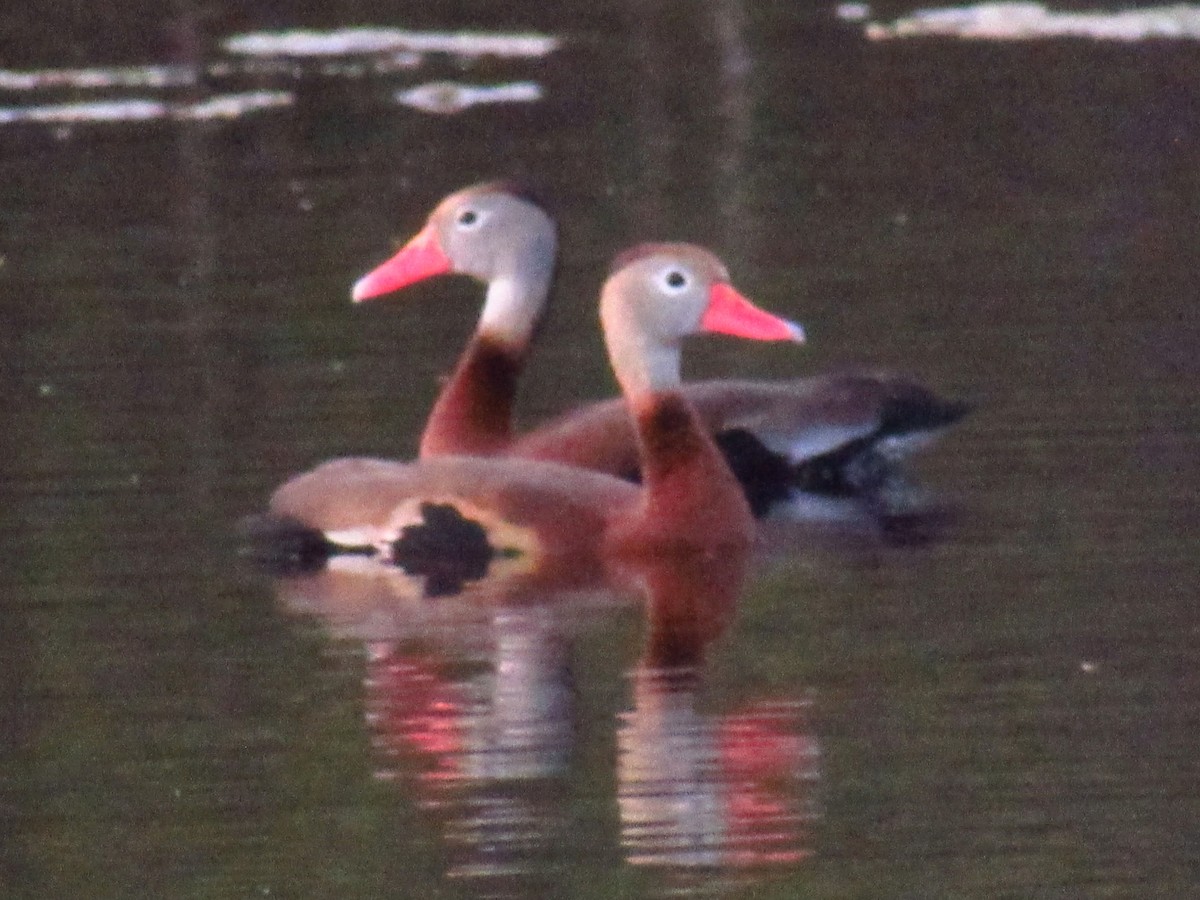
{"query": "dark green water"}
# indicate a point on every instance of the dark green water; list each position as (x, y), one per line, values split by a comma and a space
(1010, 709)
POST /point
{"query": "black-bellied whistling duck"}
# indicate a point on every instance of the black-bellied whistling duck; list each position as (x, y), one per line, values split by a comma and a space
(466, 512)
(501, 236)
(837, 434)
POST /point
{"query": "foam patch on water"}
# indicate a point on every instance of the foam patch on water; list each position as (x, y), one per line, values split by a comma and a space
(1033, 21)
(853, 12)
(285, 56)
(447, 97)
(232, 106)
(361, 41)
(98, 78)
(285, 67)
(226, 106)
(168, 76)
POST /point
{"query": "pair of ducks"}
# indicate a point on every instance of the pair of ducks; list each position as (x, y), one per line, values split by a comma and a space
(568, 489)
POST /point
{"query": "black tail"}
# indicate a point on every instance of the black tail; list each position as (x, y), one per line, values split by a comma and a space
(766, 476)
(915, 411)
(284, 546)
(864, 466)
(860, 468)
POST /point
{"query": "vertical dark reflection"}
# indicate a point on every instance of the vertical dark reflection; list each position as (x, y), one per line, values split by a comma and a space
(197, 230)
(691, 91)
(19, 720)
(738, 226)
(653, 131)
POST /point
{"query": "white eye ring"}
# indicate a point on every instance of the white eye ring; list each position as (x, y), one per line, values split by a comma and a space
(674, 280)
(469, 219)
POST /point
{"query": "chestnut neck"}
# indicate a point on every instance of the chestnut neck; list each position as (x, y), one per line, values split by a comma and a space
(689, 491)
(473, 412)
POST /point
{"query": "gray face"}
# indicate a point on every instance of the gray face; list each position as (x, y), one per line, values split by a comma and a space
(665, 290)
(489, 234)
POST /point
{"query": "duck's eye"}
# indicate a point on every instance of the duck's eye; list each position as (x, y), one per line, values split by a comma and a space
(675, 280)
(468, 218)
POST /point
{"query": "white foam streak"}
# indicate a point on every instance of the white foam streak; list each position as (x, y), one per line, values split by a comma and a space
(118, 77)
(853, 12)
(446, 97)
(226, 106)
(101, 111)
(232, 106)
(1033, 21)
(354, 41)
(161, 77)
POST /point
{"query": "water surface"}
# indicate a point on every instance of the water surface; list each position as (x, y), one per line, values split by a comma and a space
(1008, 707)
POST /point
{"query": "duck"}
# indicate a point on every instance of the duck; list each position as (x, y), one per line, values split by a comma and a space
(839, 435)
(461, 518)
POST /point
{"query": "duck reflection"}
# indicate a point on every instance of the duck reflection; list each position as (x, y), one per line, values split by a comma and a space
(510, 719)
(714, 791)
(485, 739)
(471, 700)
(707, 790)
